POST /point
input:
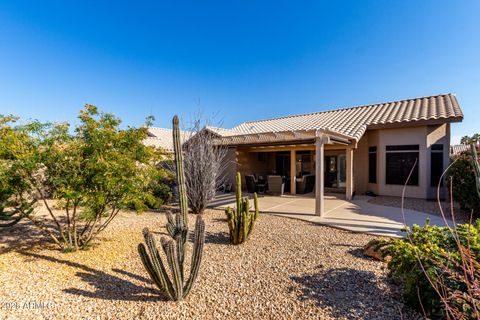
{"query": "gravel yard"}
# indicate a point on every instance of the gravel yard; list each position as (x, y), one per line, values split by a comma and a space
(288, 269)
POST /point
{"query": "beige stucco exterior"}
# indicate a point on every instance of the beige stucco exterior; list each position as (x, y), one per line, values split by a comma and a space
(247, 160)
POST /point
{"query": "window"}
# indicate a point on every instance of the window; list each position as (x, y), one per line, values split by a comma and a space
(372, 164)
(400, 160)
(436, 164)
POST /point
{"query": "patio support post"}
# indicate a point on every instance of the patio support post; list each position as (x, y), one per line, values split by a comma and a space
(293, 173)
(319, 172)
(349, 167)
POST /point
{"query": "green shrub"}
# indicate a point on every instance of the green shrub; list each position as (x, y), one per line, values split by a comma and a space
(464, 184)
(158, 192)
(434, 251)
(94, 171)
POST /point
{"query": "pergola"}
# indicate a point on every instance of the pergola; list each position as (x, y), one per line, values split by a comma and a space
(288, 140)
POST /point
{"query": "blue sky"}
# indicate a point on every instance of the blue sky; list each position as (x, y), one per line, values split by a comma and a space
(238, 60)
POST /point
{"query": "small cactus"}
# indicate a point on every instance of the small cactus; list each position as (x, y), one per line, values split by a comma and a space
(174, 249)
(241, 220)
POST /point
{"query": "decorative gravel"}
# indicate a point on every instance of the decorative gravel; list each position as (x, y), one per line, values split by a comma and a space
(422, 205)
(288, 269)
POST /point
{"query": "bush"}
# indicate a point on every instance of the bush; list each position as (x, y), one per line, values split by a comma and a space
(158, 192)
(437, 266)
(93, 173)
(462, 173)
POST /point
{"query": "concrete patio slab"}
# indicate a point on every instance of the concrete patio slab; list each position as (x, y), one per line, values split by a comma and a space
(357, 215)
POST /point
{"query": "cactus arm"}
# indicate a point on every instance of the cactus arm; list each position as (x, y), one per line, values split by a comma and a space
(170, 250)
(180, 254)
(156, 264)
(246, 218)
(155, 276)
(170, 224)
(231, 222)
(238, 189)
(177, 148)
(197, 253)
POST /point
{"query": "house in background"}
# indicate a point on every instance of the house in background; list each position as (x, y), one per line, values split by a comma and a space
(458, 149)
(163, 138)
(358, 149)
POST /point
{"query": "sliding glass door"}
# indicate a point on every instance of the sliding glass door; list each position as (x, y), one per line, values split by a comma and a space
(335, 171)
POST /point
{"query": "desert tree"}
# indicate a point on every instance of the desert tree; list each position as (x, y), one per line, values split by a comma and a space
(473, 139)
(204, 158)
(92, 172)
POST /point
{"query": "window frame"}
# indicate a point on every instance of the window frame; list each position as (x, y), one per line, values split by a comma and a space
(394, 153)
(436, 149)
(372, 164)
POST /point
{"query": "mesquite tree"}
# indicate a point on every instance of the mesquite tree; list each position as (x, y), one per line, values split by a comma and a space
(92, 174)
(204, 162)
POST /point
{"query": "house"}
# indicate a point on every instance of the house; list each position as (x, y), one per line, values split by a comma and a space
(458, 149)
(370, 148)
(163, 138)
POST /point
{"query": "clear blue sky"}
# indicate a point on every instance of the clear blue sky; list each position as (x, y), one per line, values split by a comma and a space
(240, 59)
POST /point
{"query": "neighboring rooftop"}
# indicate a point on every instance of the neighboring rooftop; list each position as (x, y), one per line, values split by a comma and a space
(163, 138)
(461, 148)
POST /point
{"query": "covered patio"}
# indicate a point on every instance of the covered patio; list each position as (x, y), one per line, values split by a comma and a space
(283, 154)
(356, 215)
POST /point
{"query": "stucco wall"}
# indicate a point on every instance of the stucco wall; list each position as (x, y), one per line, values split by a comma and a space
(424, 136)
(231, 165)
(401, 136)
(248, 163)
(439, 134)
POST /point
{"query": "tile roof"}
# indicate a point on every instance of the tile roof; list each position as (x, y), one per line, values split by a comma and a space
(347, 123)
(163, 138)
(353, 121)
(461, 148)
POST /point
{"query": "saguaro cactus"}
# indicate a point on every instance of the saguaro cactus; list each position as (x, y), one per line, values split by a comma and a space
(241, 220)
(174, 283)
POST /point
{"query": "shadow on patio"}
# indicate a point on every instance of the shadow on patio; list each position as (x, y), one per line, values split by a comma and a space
(357, 215)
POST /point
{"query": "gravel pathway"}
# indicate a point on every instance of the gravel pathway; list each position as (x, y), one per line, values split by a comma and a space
(288, 269)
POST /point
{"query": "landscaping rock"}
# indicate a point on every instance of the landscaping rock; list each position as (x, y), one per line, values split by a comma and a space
(375, 249)
(288, 269)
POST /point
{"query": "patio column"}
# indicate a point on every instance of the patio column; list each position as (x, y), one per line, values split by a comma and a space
(349, 168)
(293, 173)
(319, 172)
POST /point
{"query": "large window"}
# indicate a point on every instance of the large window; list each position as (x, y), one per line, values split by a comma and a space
(400, 160)
(372, 164)
(436, 164)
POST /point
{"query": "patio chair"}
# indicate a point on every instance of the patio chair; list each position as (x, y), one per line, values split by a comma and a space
(305, 184)
(275, 185)
(251, 184)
